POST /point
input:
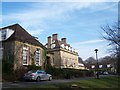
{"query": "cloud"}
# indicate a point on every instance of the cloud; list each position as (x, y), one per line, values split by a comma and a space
(104, 6)
(0, 19)
(36, 32)
(39, 13)
(60, 0)
(86, 48)
(36, 17)
(89, 42)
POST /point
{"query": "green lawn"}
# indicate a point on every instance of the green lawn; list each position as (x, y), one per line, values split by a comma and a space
(105, 82)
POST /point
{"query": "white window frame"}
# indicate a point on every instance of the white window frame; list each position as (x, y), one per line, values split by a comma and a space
(25, 55)
(93, 66)
(108, 65)
(53, 45)
(3, 35)
(100, 66)
(37, 57)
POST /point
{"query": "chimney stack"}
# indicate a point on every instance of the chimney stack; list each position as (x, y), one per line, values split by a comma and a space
(49, 42)
(63, 40)
(55, 36)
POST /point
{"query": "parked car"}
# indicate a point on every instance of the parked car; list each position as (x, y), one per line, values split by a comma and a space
(37, 75)
(105, 73)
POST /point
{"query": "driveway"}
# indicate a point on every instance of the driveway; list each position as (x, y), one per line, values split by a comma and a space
(30, 84)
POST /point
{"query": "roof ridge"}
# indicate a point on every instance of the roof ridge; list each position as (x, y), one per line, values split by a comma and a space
(10, 25)
(22, 35)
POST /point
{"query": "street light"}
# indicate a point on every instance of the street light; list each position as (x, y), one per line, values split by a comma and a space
(97, 63)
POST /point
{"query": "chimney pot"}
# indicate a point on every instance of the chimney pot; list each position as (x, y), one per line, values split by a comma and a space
(49, 41)
(55, 36)
(63, 40)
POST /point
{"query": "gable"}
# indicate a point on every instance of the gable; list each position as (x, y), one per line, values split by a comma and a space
(22, 35)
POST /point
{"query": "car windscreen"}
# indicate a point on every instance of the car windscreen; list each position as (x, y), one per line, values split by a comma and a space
(32, 71)
(41, 72)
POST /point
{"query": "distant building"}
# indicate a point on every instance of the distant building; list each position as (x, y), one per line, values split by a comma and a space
(107, 65)
(61, 54)
(18, 45)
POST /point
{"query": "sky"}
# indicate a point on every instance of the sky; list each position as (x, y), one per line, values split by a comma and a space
(79, 22)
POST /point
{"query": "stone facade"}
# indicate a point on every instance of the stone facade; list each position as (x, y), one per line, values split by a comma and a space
(32, 54)
(22, 48)
(26, 50)
(63, 55)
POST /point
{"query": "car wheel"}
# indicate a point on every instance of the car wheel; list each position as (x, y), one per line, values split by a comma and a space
(50, 78)
(38, 79)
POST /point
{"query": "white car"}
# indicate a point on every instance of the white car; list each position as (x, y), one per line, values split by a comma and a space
(37, 75)
(105, 73)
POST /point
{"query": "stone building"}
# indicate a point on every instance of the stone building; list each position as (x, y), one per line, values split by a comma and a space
(107, 63)
(21, 47)
(61, 54)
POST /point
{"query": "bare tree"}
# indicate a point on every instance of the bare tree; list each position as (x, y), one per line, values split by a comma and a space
(113, 36)
(90, 60)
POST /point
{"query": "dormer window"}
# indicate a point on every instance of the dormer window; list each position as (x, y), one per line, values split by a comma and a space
(4, 32)
(53, 45)
(93, 66)
(72, 50)
(53, 41)
(69, 48)
(75, 50)
(108, 65)
(62, 46)
(66, 47)
(100, 66)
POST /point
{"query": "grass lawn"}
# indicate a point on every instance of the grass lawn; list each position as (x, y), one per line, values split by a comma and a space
(105, 82)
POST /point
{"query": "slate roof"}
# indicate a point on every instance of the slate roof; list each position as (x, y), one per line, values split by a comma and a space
(21, 34)
(59, 43)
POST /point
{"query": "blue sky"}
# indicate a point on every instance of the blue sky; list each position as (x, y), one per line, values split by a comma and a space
(79, 22)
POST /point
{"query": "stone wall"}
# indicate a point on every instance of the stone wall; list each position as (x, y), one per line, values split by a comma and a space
(64, 59)
(14, 50)
(32, 56)
(57, 59)
(69, 60)
(8, 50)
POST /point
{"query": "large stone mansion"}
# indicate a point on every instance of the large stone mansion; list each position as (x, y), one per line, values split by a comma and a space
(26, 50)
(61, 54)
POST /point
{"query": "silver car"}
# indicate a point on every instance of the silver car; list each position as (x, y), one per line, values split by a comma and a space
(37, 75)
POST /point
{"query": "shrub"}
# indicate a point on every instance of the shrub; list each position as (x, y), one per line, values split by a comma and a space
(68, 73)
(19, 73)
(7, 66)
(55, 72)
(34, 67)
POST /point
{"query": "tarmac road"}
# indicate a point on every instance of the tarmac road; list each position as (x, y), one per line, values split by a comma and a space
(30, 84)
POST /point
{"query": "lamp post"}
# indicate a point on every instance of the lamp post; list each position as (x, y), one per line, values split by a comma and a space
(96, 50)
